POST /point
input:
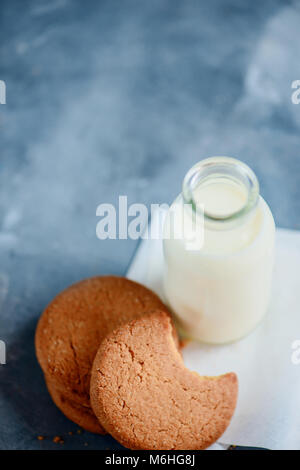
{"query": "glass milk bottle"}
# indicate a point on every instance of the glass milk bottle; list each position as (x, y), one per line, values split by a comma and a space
(219, 287)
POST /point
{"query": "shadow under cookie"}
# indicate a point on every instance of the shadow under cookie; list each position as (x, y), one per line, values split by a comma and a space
(79, 414)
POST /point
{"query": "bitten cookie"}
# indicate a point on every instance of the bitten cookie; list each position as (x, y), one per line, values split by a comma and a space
(74, 324)
(144, 396)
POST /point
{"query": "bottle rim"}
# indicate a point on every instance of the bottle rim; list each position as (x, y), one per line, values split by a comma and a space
(221, 167)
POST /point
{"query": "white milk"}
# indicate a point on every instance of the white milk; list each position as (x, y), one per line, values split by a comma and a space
(220, 292)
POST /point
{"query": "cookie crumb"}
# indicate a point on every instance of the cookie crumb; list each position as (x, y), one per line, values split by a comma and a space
(70, 433)
(79, 431)
(85, 444)
(58, 440)
(41, 438)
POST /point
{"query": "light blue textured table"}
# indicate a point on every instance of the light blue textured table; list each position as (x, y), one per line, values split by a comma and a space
(122, 97)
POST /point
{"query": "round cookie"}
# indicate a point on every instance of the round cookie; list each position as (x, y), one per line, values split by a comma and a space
(144, 396)
(74, 324)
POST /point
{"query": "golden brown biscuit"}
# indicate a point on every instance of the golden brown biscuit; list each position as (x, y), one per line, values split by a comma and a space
(144, 396)
(77, 320)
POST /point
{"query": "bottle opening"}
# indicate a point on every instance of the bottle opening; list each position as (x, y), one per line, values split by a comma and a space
(223, 189)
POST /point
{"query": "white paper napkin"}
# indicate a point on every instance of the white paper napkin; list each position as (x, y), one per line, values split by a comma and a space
(266, 361)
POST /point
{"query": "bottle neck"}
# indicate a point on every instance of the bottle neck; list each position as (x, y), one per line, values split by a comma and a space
(225, 191)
